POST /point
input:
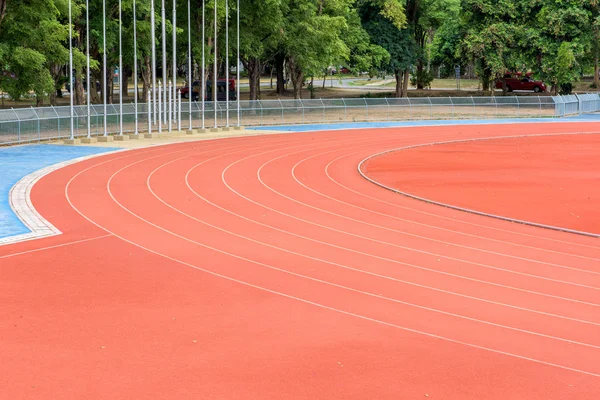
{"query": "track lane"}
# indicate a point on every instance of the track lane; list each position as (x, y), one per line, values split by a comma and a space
(346, 338)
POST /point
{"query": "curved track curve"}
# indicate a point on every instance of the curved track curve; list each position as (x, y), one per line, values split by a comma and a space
(267, 267)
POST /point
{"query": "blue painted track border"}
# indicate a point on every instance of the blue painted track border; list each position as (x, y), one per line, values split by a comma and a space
(19, 161)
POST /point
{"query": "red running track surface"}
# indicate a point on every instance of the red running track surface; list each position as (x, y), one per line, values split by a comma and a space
(267, 267)
(548, 180)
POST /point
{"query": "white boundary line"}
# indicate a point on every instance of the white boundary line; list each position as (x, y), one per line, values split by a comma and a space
(500, 217)
(20, 194)
(19, 199)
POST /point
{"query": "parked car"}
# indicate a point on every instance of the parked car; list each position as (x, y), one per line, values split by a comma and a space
(221, 91)
(516, 81)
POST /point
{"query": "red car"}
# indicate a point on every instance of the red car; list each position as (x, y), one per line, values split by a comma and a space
(515, 81)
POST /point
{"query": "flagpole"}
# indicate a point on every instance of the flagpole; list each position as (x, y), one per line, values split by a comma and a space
(71, 85)
(215, 72)
(87, 27)
(135, 70)
(121, 88)
(153, 38)
(227, 63)
(174, 61)
(104, 64)
(164, 60)
(203, 86)
(237, 68)
(190, 77)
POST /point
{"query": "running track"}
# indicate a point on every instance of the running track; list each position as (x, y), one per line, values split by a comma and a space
(267, 267)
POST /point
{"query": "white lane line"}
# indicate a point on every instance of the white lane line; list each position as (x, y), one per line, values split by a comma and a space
(297, 298)
(395, 261)
(426, 237)
(22, 207)
(541, 238)
(55, 246)
(149, 186)
(500, 217)
(370, 255)
(403, 233)
(387, 259)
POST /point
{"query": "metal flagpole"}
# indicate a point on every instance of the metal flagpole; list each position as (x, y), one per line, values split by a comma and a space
(227, 63)
(72, 136)
(169, 105)
(87, 28)
(121, 88)
(104, 60)
(174, 60)
(164, 59)
(237, 68)
(215, 72)
(153, 38)
(159, 108)
(179, 110)
(203, 94)
(149, 100)
(190, 77)
(135, 70)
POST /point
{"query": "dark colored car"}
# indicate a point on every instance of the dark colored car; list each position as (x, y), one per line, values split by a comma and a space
(515, 81)
(221, 91)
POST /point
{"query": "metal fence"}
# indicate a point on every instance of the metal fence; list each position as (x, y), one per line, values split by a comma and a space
(48, 123)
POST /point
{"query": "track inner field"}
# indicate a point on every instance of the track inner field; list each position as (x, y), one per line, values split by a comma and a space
(550, 180)
(267, 267)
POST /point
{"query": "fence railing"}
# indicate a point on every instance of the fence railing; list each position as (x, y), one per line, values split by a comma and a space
(47, 123)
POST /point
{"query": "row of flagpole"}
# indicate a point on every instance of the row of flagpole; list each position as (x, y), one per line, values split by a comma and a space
(171, 98)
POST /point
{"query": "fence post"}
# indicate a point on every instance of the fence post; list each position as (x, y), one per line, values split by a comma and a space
(388, 108)
(261, 112)
(282, 115)
(18, 125)
(579, 104)
(345, 109)
(409, 108)
(302, 107)
(57, 121)
(367, 109)
(430, 108)
(322, 108)
(452, 104)
(473, 101)
(38, 124)
(496, 103)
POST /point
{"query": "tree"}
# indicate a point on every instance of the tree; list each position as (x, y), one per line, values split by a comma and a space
(34, 36)
(398, 42)
(311, 37)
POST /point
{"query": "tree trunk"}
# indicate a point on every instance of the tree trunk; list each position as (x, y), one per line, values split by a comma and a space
(297, 76)
(399, 86)
(252, 65)
(279, 60)
(79, 98)
(2, 9)
(405, 83)
(111, 86)
(95, 76)
(419, 74)
(146, 78)
(125, 81)
(485, 79)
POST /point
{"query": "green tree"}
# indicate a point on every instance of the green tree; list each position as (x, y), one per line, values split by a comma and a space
(33, 37)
